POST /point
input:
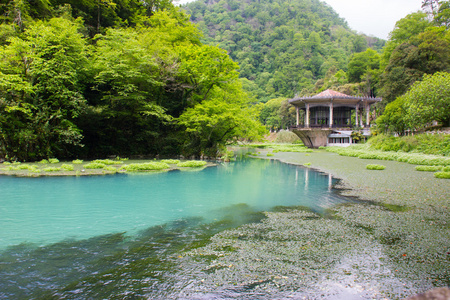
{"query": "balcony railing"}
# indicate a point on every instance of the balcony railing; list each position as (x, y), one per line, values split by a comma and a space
(326, 126)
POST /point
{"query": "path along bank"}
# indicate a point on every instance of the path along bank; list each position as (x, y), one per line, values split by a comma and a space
(392, 244)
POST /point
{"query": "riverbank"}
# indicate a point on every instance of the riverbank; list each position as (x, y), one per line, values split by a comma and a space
(392, 244)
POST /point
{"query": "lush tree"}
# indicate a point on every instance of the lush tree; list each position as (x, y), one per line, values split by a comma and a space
(41, 90)
(426, 53)
(429, 100)
(393, 119)
(278, 114)
(226, 116)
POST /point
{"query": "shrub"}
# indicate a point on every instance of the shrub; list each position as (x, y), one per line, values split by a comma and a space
(170, 161)
(193, 163)
(428, 168)
(67, 167)
(52, 169)
(375, 167)
(443, 175)
(77, 161)
(446, 169)
(53, 160)
(150, 166)
(94, 165)
(44, 161)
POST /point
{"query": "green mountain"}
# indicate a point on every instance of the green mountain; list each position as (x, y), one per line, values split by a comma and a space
(283, 47)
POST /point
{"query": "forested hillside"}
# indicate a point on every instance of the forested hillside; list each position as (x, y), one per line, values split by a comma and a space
(282, 47)
(115, 77)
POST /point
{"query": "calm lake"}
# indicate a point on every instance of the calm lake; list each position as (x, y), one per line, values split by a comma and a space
(58, 233)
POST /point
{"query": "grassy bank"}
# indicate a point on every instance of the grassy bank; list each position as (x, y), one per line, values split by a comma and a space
(390, 245)
(54, 167)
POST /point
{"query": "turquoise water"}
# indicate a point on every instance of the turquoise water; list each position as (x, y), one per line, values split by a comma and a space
(48, 210)
(118, 236)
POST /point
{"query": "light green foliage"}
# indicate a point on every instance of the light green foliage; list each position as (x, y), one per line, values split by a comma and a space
(93, 165)
(223, 118)
(110, 169)
(443, 175)
(270, 154)
(411, 158)
(170, 161)
(436, 144)
(77, 161)
(53, 160)
(67, 167)
(429, 100)
(40, 91)
(192, 164)
(52, 169)
(375, 167)
(149, 166)
(44, 161)
(107, 161)
(428, 168)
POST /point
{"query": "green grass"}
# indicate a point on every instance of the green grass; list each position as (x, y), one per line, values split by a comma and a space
(192, 163)
(434, 144)
(44, 161)
(270, 154)
(53, 160)
(107, 161)
(77, 161)
(364, 152)
(170, 161)
(428, 168)
(52, 169)
(443, 175)
(375, 167)
(94, 165)
(67, 167)
(149, 166)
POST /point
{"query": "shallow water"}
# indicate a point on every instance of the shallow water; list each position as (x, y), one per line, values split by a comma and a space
(72, 237)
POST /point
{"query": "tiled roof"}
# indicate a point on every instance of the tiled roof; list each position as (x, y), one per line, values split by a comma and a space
(330, 93)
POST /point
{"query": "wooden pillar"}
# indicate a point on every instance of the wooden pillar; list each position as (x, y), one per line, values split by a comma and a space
(297, 110)
(367, 114)
(307, 115)
(331, 114)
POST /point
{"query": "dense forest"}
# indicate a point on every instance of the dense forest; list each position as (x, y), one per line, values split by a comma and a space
(286, 48)
(99, 78)
(282, 47)
(95, 78)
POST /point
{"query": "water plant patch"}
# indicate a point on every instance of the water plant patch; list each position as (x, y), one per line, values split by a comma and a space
(192, 163)
(375, 167)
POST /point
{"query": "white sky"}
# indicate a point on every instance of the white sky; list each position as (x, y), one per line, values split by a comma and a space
(372, 17)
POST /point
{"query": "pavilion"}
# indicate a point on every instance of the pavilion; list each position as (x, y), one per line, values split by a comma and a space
(328, 117)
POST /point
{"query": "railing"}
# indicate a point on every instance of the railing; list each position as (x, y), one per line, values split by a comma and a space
(326, 126)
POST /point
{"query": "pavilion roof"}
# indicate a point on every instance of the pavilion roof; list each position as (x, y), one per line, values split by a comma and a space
(330, 95)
